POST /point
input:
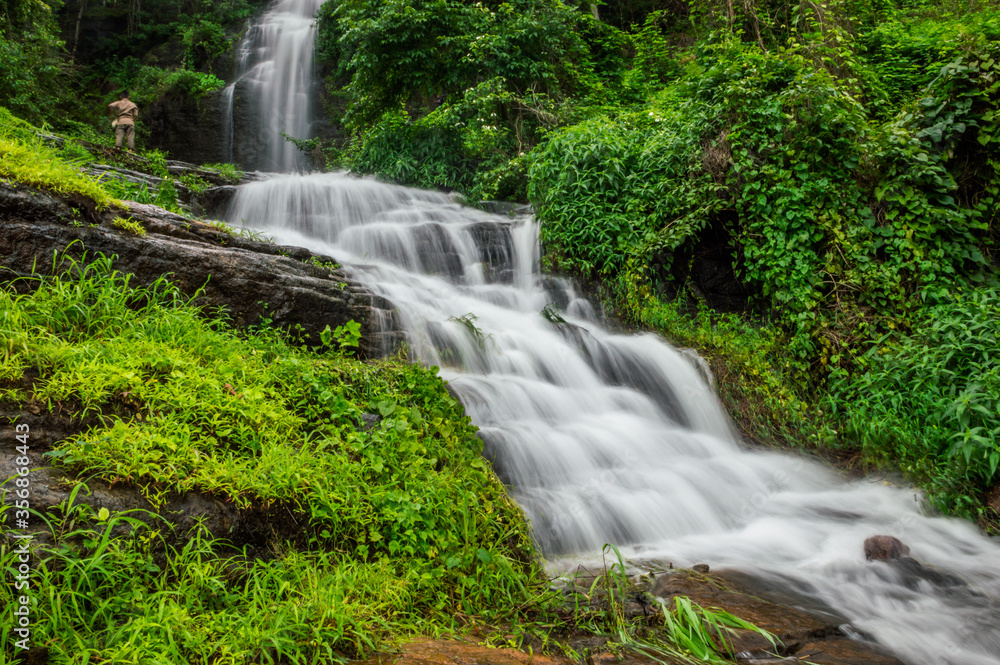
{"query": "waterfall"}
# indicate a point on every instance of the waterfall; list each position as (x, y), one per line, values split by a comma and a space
(274, 66)
(618, 438)
(605, 438)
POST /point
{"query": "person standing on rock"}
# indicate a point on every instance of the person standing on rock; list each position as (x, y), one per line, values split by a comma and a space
(123, 115)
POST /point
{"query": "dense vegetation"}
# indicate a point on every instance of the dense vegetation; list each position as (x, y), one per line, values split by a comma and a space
(400, 522)
(61, 63)
(840, 158)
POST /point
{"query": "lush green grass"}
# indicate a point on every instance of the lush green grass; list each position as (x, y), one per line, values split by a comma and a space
(145, 600)
(407, 518)
(25, 158)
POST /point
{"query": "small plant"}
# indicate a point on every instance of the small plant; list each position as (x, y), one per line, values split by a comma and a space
(129, 225)
(222, 226)
(324, 265)
(230, 172)
(552, 315)
(195, 183)
(346, 336)
(468, 321)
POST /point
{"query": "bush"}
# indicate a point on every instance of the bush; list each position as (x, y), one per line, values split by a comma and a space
(929, 400)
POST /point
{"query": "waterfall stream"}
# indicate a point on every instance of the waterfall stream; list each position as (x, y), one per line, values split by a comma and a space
(611, 438)
(606, 438)
(274, 75)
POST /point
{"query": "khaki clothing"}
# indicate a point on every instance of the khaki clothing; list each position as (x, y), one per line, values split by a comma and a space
(123, 131)
(124, 111)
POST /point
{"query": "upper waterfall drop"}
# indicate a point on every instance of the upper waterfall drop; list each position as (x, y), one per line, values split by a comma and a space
(275, 78)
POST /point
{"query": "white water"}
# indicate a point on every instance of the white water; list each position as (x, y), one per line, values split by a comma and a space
(610, 438)
(275, 71)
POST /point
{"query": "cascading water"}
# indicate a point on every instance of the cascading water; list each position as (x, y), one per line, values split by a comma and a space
(274, 77)
(610, 438)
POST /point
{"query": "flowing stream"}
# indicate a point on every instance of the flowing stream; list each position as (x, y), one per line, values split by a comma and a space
(606, 438)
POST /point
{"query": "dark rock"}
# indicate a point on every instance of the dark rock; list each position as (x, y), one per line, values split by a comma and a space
(912, 573)
(843, 651)
(700, 568)
(495, 245)
(192, 128)
(803, 624)
(52, 487)
(252, 281)
(214, 201)
(370, 421)
(884, 548)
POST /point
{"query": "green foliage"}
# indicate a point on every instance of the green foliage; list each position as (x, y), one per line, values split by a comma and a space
(608, 188)
(203, 41)
(230, 172)
(164, 196)
(148, 83)
(31, 67)
(705, 633)
(454, 94)
(346, 336)
(929, 400)
(129, 225)
(25, 158)
(393, 53)
(819, 206)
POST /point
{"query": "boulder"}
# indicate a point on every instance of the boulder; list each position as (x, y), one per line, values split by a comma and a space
(808, 629)
(250, 280)
(884, 548)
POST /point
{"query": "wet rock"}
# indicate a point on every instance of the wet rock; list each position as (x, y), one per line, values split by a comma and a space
(453, 652)
(843, 651)
(189, 127)
(884, 548)
(495, 245)
(912, 573)
(251, 281)
(700, 568)
(777, 606)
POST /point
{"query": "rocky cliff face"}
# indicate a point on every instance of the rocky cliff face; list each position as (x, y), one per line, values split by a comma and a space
(189, 128)
(249, 280)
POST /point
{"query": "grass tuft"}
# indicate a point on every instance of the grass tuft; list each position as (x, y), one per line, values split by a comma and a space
(129, 225)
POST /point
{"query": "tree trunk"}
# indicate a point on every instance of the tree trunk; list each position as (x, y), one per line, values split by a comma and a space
(76, 32)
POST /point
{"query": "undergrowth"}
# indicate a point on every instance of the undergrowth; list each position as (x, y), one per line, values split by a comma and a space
(185, 404)
(25, 158)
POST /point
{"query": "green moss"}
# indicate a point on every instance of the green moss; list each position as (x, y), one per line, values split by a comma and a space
(31, 162)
